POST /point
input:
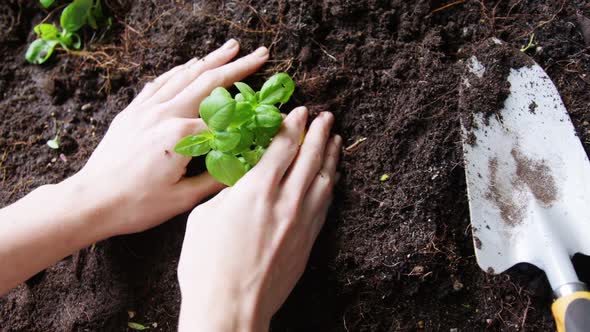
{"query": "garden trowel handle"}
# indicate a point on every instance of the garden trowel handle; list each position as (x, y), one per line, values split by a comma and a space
(572, 312)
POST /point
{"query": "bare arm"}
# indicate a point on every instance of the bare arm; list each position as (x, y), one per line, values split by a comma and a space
(48, 224)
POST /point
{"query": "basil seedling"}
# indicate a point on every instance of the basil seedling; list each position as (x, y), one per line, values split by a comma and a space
(240, 127)
(75, 16)
(46, 3)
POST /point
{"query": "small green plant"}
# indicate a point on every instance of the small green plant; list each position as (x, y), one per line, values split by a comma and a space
(46, 3)
(240, 128)
(54, 142)
(530, 45)
(75, 16)
(137, 326)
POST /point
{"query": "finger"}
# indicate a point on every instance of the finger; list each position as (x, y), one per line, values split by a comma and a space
(319, 195)
(332, 155)
(192, 190)
(281, 152)
(185, 77)
(310, 158)
(152, 87)
(186, 103)
(180, 128)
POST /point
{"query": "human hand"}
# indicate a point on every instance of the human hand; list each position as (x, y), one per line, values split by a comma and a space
(134, 176)
(245, 249)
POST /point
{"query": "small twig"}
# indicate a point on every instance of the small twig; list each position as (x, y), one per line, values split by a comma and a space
(354, 145)
(323, 49)
(526, 311)
(234, 25)
(264, 21)
(344, 320)
(53, 12)
(544, 22)
(447, 6)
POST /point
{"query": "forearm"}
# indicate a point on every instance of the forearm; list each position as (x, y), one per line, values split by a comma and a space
(45, 226)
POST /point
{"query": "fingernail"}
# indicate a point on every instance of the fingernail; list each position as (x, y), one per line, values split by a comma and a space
(230, 44)
(338, 139)
(261, 51)
(302, 111)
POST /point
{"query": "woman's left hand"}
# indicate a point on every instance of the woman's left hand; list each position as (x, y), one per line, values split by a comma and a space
(134, 170)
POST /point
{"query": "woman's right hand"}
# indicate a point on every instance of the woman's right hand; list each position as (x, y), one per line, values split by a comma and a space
(246, 248)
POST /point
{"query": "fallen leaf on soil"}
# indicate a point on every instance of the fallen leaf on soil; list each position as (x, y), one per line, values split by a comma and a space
(136, 326)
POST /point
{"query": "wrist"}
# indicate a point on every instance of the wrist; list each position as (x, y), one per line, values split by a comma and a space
(219, 309)
(96, 213)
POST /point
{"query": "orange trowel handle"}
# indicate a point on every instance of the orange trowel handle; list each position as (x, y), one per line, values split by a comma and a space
(572, 312)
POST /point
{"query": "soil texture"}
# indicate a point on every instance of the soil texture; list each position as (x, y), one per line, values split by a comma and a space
(395, 255)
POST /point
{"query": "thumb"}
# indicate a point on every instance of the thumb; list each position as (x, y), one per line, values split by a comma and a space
(197, 188)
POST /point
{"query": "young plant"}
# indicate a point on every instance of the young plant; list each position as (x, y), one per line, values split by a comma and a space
(54, 142)
(46, 3)
(240, 128)
(75, 16)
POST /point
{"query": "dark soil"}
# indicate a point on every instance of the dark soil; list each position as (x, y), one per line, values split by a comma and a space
(486, 92)
(395, 255)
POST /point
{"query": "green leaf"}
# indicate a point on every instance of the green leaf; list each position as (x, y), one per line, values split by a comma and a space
(246, 140)
(96, 15)
(76, 42)
(252, 157)
(225, 141)
(248, 93)
(239, 98)
(40, 50)
(47, 31)
(263, 136)
(243, 114)
(75, 15)
(137, 326)
(278, 89)
(194, 145)
(224, 167)
(217, 110)
(92, 22)
(53, 143)
(46, 3)
(268, 116)
(245, 163)
(70, 40)
(221, 91)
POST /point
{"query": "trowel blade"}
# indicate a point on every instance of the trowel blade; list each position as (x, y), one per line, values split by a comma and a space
(528, 176)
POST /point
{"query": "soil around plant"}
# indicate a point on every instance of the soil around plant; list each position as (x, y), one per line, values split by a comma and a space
(395, 255)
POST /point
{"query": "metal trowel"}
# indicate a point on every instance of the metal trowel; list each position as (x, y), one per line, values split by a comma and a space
(528, 181)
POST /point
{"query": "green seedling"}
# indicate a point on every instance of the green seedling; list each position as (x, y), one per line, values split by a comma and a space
(384, 177)
(73, 18)
(137, 326)
(530, 44)
(240, 128)
(54, 143)
(46, 3)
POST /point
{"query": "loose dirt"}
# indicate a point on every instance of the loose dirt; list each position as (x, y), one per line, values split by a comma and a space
(395, 255)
